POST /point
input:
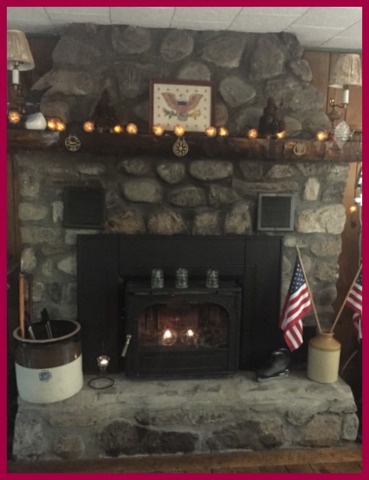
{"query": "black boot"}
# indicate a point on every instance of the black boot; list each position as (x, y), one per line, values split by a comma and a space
(277, 366)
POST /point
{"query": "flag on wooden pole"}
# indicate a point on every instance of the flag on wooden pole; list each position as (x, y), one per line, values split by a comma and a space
(354, 301)
(296, 304)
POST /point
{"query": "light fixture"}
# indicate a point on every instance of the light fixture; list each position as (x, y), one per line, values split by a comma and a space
(252, 133)
(19, 56)
(223, 132)
(117, 128)
(321, 136)
(89, 126)
(346, 73)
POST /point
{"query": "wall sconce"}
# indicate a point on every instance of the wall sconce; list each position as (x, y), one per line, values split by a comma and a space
(19, 56)
(346, 73)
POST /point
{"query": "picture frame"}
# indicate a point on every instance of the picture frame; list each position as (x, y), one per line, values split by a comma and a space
(180, 102)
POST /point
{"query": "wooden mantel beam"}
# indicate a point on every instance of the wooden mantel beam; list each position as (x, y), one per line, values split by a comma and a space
(200, 146)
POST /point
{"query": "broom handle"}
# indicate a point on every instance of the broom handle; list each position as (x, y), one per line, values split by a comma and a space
(21, 306)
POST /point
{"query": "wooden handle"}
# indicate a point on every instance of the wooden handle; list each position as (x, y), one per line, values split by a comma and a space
(21, 306)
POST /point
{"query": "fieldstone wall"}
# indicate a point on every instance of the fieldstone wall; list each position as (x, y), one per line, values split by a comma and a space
(245, 69)
(169, 196)
(187, 416)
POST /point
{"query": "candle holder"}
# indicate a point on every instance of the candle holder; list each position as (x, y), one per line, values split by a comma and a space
(101, 381)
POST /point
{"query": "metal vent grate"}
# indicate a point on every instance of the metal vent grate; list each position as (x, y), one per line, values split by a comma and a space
(83, 207)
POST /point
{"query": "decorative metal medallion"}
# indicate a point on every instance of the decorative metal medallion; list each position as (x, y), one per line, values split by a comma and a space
(72, 143)
(299, 149)
(180, 147)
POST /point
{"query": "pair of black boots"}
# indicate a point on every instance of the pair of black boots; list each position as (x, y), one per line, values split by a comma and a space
(276, 367)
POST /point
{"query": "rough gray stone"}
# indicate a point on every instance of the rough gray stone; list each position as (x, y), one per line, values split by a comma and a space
(68, 265)
(225, 50)
(67, 82)
(94, 169)
(188, 196)
(280, 171)
(135, 166)
(301, 68)
(29, 184)
(69, 447)
(244, 119)
(171, 173)
(321, 431)
(206, 223)
(220, 114)
(293, 126)
(251, 171)
(130, 40)
(129, 223)
(142, 190)
(133, 79)
(252, 434)
(350, 426)
(176, 46)
(36, 234)
(47, 268)
(57, 211)
(326, 219)
(246, 188)
(194, 71)
(333, 193)
(311, 190)
(31, 211)
(238, 220)
(325, 296)
(71, 234)
(327, 271)
(54, 292)
(30, 440)
(210, 170)
(219, 195)
(327, 246)
(28, 260)
(268, 58)
(235, 91)
(166, 222)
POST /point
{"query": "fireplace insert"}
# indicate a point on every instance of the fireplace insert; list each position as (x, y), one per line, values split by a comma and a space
(181, 332)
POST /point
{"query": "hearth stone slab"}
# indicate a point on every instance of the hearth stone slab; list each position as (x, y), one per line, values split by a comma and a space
(140, 417)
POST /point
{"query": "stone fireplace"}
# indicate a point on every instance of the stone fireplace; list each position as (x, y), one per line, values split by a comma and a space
(196, 212)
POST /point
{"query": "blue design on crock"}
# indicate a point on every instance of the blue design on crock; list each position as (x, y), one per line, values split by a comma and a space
(45, 375)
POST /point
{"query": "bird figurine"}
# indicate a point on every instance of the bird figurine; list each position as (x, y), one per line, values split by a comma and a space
(271, 122)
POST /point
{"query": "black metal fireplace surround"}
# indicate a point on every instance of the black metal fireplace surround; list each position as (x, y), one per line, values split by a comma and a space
(194, 331)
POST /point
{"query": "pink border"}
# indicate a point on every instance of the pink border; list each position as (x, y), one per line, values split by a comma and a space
(136, 3)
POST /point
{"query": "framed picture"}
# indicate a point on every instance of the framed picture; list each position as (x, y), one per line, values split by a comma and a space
(185, 103)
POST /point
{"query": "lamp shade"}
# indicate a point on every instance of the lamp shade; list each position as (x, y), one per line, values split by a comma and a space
(19, 54)
(347, 71)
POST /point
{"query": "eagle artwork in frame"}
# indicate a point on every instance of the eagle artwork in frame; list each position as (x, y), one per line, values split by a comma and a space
(186, 103)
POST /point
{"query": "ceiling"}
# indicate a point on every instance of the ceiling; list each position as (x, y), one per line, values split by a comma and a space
(318, 28)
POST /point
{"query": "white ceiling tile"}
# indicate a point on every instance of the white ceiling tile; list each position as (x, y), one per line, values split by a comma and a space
(330, 17)
(261, 23)
(355, 31)
(29, 14)
(142, 16)
(342, 44)
(68, 12)
(265, 11)
(313, 34)
(222, 16)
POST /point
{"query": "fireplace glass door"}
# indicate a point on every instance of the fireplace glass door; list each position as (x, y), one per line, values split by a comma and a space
(181, 333)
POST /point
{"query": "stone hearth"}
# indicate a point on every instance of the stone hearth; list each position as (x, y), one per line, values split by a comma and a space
(136, 417)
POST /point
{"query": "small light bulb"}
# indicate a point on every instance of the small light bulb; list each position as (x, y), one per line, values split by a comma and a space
(158, 130)
(321, 136)
(14, 117)
(60, 126)
(132, 129)
(252, 133)
(118, 129)
(179, 130)
(281, 134)
(89, 126)
(211, 131)
(51, 123)
(222, 131)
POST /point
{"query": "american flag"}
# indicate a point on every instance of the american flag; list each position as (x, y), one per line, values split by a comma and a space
(354, 301)
(295, 306)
